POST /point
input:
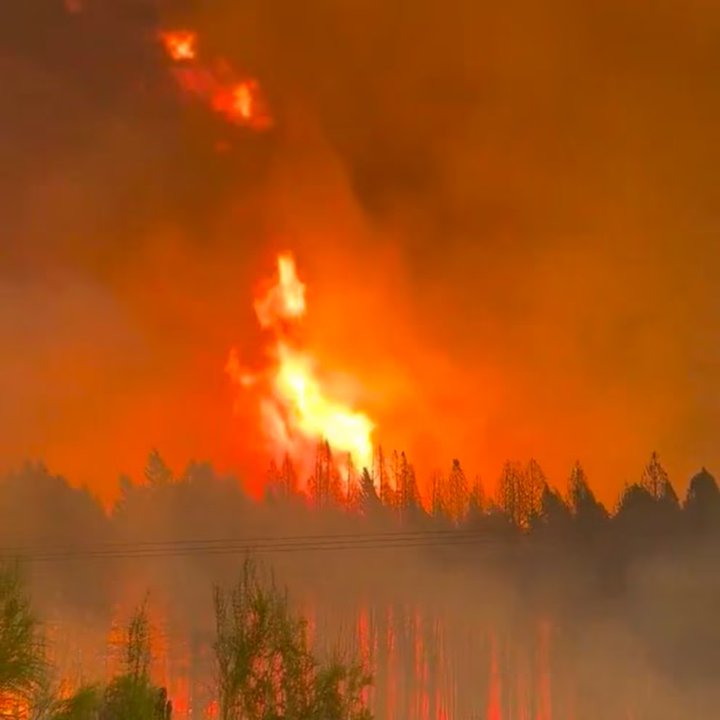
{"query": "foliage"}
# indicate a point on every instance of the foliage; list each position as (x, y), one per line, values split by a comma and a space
(132, 694)
(129, 696)
(23, 668)
(266, 670)
(82, 705)
(157, 473)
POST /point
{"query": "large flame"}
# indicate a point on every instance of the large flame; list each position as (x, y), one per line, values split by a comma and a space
(296, 408)
(238, 99)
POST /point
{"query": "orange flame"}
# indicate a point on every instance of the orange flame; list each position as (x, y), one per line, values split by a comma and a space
(297, 410)
(180, 44)
(242, 104)
(239, 100)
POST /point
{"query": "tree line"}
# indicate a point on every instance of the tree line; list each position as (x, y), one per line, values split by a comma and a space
(523, 501)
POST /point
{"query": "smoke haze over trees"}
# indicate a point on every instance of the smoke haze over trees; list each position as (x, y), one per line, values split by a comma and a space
(533, 596)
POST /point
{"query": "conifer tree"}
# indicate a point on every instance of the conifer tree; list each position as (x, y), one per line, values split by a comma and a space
(157, 473)
(657, 482)
(584, 507)
(458, 495)
(511, 498)
(288, 476)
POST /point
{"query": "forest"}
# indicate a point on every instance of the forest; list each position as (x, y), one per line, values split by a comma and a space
(376, 600)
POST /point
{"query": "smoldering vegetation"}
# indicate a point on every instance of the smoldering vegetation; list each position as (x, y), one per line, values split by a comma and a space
(531, 602)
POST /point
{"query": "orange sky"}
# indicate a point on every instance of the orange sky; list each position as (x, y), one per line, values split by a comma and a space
(508, 230)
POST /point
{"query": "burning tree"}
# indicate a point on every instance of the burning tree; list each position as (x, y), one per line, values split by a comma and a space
(129, 695)
(23, 670)
(265, 667)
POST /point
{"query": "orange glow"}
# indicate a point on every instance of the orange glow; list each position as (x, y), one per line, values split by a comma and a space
(296, 409)
(241, 104)
(286, 299)
(12, 706)
(180, 45)
(74, 6)
(238, 99)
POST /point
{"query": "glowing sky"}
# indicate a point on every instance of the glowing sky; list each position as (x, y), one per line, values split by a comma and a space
(507, 214)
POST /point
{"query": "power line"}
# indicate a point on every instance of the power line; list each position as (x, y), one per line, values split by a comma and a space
(268, 544)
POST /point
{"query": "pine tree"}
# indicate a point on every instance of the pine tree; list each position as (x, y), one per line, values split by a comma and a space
(319, 484)
(387, 495)
(476, 502)
(406, 496)
(554, 513)
(132, 694)
(265, 667)
(438, 499)
(657, 482)
(510, 494)
(353, 487)
(702, 501)
(370, 501)
(458, 495)
(273, 489)
(288, 477)
(23, 668)
(588, 513)
(534, 483)
(157, 473)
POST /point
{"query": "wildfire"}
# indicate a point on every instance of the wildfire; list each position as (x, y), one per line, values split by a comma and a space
(296, 409)
(180, 45)
(238, 99)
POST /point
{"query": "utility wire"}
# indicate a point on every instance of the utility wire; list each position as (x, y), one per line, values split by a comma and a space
(268, 544)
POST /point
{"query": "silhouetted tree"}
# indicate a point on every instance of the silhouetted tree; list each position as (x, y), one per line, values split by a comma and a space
(702, 502)
(476, 504)
(637, 511)
(370, 502)
(407, 495)
(273, 486)
(511, 496)
(554, 514)
(325, 484)
(157, 473)
(288, 476)
(439, 510)
(534, 483)
(130, 694)
(382, 475)
(265, 667)
(353, 489)
(458, 496)
(657, 482)
(588, 513)
(23, 668)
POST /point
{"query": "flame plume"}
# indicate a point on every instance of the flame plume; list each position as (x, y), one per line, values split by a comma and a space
(296, 410)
